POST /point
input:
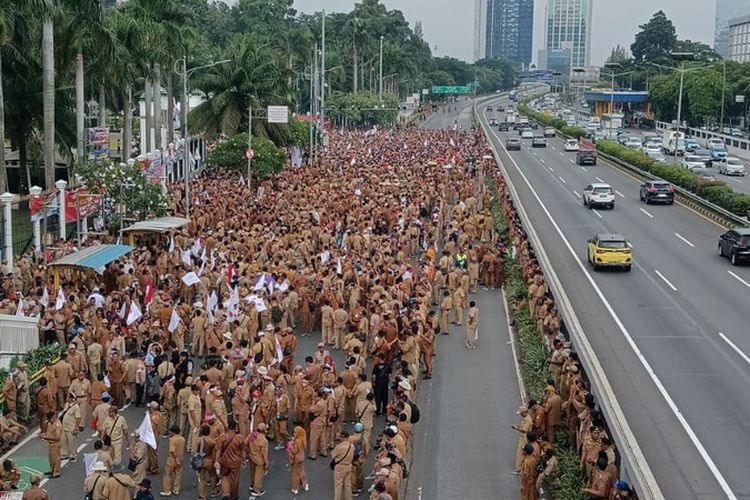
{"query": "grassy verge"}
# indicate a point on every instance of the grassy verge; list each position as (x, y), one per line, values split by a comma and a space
(533, 359)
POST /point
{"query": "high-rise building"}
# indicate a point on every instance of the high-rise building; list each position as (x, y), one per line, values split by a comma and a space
(739, 39)
(726, 10)
(503, 29)
(568, 28)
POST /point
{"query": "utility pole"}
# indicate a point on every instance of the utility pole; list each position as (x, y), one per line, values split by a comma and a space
(316, 79)
(380, 91)
(250, 147)
(723, 92)
(354, 58)
(186, 139)
(679, 111)
(323, 81)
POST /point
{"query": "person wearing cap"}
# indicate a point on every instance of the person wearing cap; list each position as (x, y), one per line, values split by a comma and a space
(53, 436)
(361, 450)
(603, 478)
(144, 490)
(93, 485)
(257, 451)
(35, 492)
(22, 383)
(523, 427)
(118, 484)
(342, 457)
(116, 429)
(72, 419)
(172, 479)
(76, 358)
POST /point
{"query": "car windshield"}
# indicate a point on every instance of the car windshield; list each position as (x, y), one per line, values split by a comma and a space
(745, 240)
(734, 162)
(660, 185)
(693, 159)
(613, 244)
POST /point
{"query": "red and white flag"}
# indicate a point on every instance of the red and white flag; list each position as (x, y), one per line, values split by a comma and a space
(149, 295)
(352, 159)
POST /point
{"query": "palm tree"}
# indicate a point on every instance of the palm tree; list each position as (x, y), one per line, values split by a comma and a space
(7, 15)
(46, 8)
(253, 76)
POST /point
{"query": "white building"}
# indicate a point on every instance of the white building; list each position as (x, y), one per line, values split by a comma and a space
(739, 40)
(727, 10)
(480, 29)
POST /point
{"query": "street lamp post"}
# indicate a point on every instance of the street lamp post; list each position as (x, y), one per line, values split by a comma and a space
(613, 75)
(186, 136)
(380, 92)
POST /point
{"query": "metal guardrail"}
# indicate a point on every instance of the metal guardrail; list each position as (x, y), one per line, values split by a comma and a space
(633, 463)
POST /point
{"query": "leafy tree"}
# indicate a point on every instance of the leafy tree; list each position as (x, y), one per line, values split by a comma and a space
(619, 54)
(656, 39)
(701, 51)
(268, 158)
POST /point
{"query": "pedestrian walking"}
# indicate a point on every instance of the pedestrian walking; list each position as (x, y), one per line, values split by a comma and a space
(341, 463)
(472, 326)
(172, 479)
(53, 436)
(296, 449)
(71, 425)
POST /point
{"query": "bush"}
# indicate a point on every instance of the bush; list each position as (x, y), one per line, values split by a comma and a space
(268, 159)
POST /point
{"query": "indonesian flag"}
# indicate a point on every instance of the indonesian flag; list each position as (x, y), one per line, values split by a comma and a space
(149, 295)
(60, 302)
(352, 159)
(174, 321)
(45, 298)
(230, 273)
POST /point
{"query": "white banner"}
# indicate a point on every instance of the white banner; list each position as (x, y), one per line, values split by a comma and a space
(278, 114)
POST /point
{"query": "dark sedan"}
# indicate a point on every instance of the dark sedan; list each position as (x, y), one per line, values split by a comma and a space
(735, 244)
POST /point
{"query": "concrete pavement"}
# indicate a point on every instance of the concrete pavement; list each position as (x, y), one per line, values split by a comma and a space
(677, 307)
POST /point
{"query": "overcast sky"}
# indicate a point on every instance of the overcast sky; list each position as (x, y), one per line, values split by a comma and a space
(449, 24)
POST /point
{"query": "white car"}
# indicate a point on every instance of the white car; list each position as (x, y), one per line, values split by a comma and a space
(691, 162)
(598, 194)
(714, 142)
(572, 145)
(633, 143)
(527, 133)
(651, 149)
(731, 166)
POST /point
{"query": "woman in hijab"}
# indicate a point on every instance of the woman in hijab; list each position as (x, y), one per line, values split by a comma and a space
(295, 450)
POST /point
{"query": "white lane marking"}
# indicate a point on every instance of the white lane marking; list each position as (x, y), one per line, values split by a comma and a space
(583, 168)
(20, 445)
(596, 212)
(665, 280)
(512, 335)
(644, 362)
(735, 180)
(739, 279)
(551, 169)
(534, 153)
(576, 193)
(563, 180)
(78, 450)
(619, 194)
(562, 154)
(542, 160)
(684, 239)
(735, 348)
(630, 245)
(642, 210)
(571, 161)
(598, 179)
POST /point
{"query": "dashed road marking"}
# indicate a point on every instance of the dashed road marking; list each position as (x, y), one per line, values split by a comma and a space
(665, 280)
(645, 212)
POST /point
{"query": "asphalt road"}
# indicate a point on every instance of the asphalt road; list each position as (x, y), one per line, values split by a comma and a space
(464, 446)
(683, 307)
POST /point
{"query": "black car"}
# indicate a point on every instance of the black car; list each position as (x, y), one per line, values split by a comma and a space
(538, 142)
(513, 144)
(503, 127)
(657, 192)
(735, 244)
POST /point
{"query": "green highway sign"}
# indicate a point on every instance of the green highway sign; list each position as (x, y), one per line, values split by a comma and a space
(452, 89)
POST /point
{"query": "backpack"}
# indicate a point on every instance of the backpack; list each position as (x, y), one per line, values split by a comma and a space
(196, 461)
(414, 413)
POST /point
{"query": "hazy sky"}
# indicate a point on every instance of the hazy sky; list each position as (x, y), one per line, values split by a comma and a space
(449, 24)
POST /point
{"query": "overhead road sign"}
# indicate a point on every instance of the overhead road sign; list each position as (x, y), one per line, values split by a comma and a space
(452, 89)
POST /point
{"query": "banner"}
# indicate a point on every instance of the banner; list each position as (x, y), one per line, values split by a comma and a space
(99, 140)
(154, 169)
(85, 206)
(43, 206)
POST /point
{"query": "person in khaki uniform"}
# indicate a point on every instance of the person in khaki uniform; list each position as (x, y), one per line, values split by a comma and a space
(472, 326)
(22, 383)
(10, 475)
(319, 415)
(116, 428)
(175, 460)
(71, 425)
(139, 455)
(94, 353)
(445, 309)
(64, 375)
(35, 492)
(53, 436)
(45, 403)
(183, 396)
(459, 304)
(340, 320)
(157, 425)
(118, 484)
(341, 460)
(296, 455)
(326, 322)
(523, 427)
(10, 393)
(94, 484)
(81, 387)
(257, 451)
(194, 415)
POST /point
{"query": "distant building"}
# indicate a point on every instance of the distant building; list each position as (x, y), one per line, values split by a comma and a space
(739, 40)
(725, 11)
(503, 29)
(567, 30)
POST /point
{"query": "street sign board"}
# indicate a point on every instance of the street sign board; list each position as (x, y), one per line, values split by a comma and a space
(425, 91)
(278, 114)
(451, 89)
(739, 98)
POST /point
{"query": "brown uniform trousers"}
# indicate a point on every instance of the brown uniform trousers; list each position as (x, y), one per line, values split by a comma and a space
(342, 456)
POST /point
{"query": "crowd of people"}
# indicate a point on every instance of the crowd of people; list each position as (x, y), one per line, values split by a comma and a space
(566, 400)
(375, 251)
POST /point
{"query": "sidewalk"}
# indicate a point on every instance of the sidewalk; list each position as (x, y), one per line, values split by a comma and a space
(464, 447)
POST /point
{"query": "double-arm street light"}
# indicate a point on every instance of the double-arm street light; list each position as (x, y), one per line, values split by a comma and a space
(185, 73)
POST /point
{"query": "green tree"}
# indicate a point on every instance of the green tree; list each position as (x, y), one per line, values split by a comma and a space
(656, 39)
(701, 51)
(619, 54)
(268, 159)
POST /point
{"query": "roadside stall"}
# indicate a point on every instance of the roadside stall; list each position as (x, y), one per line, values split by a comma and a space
(91, 259)
(153, 227)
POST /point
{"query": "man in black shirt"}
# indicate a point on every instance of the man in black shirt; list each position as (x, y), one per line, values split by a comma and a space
(381, 373)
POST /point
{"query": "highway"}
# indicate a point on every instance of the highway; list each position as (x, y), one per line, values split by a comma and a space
(671, 335)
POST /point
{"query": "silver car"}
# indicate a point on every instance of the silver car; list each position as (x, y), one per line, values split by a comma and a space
(731, 166)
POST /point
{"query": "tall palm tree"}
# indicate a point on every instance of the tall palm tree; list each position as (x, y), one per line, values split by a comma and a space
(253, 76)
(7, 16)
(47, 10)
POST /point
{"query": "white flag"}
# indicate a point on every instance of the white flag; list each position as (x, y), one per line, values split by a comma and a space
(88, 461)
(191, 279)
(212, 302)
(123, 310)
(45, 298)
(259, 284)
(339, 269)
(174, 321)
(171, 244)
(196, 249)
(134, 314)
(19, 310)
(279, 352)
(242, 180)
(146, 432)
(60, 299)
(185, 255)
(452, 143)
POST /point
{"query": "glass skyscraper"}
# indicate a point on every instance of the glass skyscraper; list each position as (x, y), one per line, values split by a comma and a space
(569, 28)
(726, 10)
(508, 29)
